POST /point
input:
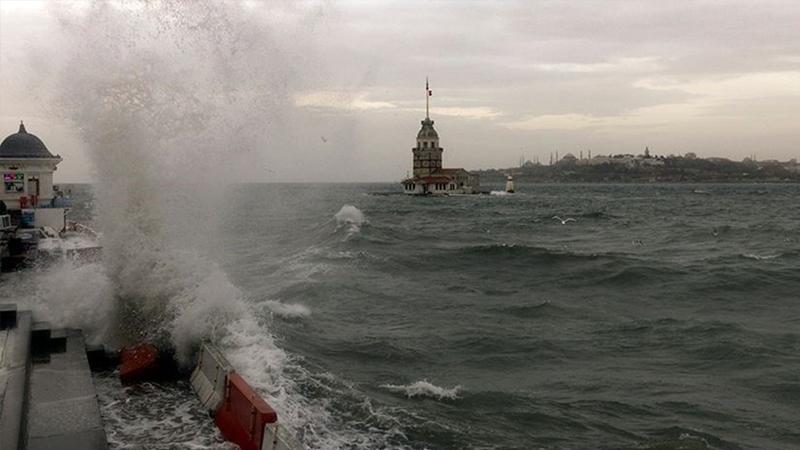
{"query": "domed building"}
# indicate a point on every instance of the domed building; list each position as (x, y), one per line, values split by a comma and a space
(27, 166)
(429, 175)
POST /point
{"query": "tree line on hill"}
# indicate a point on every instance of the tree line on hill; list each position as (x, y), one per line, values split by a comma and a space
(645, 168)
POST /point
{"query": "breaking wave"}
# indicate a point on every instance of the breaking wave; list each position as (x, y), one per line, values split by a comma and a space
(760, 257)
(424, 388)
(66, 294)
(351, 218)
(288, 310)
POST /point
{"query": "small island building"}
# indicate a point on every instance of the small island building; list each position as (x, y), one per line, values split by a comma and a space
(429, 175)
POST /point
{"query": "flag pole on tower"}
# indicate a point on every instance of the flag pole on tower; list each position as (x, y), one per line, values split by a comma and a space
(428, 94)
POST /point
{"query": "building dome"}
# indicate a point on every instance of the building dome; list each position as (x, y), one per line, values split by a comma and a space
(24, 145)
(427, 131)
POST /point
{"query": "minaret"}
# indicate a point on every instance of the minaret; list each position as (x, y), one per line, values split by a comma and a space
(427, 153)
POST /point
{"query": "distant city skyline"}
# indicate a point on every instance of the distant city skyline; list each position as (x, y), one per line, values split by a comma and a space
(508, 78)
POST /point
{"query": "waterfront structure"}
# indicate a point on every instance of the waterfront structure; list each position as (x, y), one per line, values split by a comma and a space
(27, 194)
(429, 175)
(27, 166)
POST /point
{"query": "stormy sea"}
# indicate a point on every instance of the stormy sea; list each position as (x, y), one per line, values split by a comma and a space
(660, 317)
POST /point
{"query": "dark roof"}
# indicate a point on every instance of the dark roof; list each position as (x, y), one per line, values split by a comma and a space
(24, 145)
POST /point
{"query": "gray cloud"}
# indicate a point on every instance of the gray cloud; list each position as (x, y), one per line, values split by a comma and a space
(717, 78)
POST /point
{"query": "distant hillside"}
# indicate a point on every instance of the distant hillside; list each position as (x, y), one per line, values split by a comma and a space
(630, 168)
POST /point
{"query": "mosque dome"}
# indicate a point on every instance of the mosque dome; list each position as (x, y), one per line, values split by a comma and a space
(24, 145)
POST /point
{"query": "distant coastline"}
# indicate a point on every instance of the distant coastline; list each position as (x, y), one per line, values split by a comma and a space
(627, 168)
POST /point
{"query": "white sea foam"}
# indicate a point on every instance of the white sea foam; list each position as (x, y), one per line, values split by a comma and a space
(66, 294)
(288, 310)
(700, 439)
(759, 257)
(499, 193)
(167, 415)
(424, 388)
(350, 217)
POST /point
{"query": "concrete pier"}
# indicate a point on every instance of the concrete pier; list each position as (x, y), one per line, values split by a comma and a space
(47, 398)
(14, 367)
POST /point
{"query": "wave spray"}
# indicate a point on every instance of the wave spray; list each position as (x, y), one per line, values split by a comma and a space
(172, 100)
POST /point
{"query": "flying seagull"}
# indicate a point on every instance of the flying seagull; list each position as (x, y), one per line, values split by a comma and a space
(564, 221)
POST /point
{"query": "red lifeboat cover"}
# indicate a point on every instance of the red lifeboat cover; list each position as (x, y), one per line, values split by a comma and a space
(137, 363)
(243, 413)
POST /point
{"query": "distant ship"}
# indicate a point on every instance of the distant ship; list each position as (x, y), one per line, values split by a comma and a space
(510, 184)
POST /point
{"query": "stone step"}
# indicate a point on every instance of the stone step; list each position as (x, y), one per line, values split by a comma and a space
(40, 337)
(58, 341)
(100, 358)
(48, 397)
(14, 368)
(8, 316)
(62, 404)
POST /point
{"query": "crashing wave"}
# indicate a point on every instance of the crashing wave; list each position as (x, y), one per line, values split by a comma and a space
(155, 124)
(424, 388)
(66, 294)
(759, 257)
(350, 217)
(288, 310)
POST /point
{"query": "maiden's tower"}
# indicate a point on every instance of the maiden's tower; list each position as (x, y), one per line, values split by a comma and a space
(429, 175)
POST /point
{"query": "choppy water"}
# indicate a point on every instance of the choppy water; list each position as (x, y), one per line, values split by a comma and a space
(664, 316)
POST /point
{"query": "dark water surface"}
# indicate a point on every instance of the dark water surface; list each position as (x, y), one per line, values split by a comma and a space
(664, 316)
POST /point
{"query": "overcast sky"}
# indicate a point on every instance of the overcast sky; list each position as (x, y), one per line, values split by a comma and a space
(719, 78)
